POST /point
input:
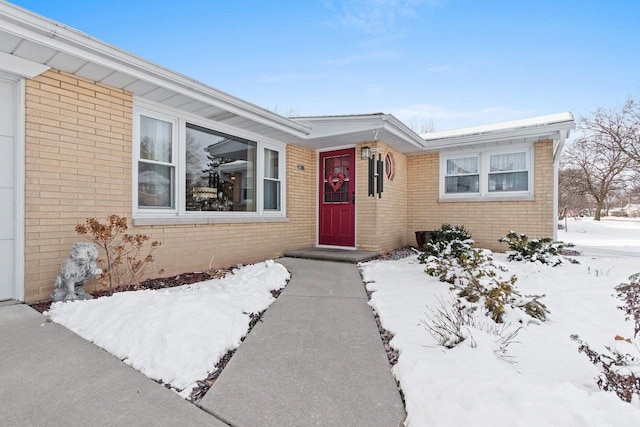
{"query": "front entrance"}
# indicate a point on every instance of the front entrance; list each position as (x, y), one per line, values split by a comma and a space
(337, 198)
(7, 203)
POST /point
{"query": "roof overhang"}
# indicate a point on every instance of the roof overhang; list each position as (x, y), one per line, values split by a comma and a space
(30, 44)
(28, 38)
(332, 131)
(555, 127)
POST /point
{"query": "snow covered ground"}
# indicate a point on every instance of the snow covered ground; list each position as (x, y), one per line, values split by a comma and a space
(551, 384)
(177, 335)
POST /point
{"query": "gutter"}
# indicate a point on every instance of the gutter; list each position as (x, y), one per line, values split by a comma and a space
(38, 29)
(560, 128)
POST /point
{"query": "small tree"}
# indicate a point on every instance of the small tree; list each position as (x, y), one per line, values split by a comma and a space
(125, 264)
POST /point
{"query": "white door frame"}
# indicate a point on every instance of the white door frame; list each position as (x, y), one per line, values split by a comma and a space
(18, 291)
(19, 196)
(14, 68)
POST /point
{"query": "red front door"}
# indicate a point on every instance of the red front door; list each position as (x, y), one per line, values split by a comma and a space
(337, 198)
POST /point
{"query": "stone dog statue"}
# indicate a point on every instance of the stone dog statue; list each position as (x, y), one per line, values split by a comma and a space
(77, 270)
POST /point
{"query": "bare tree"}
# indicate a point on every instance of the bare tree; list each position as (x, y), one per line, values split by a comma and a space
(595, 166)
(428, 126)
(620, 126)
(571, 196)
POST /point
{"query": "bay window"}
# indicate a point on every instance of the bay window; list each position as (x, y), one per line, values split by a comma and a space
(190, 169)
(486, 175)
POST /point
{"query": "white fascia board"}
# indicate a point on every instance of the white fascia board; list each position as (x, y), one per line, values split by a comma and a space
(396, 127)
(30, 26)
(553, 131)
(20, 66)
(323, 127)
(502, 126)
(331, 126)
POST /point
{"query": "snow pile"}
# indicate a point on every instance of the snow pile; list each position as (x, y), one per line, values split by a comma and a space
(550, 383)
(175, 335)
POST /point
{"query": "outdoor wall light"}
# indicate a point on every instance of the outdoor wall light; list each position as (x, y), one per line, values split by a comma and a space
(365, 152)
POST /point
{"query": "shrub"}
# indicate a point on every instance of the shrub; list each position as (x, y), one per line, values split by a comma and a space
(125, 262)
(449, 324)
(454, 322)
(630, 294)
(616, 370)
(448, 239)
(543, 250)
(620, 370)
(474, 275)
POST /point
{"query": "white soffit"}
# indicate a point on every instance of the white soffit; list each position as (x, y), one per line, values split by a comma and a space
(331, 131)
(20, 66)
(26, 35)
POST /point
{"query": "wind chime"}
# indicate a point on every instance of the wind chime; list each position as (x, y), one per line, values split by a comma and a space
(376, 170)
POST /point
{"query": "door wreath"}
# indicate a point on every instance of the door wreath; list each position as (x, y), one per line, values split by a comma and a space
(336, 180)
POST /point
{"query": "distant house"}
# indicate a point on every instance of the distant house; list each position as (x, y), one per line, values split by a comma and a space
(632, 210)
(87, 129)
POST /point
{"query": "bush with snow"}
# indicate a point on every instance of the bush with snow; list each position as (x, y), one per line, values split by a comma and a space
(447, 240)
(543, 250)
(474, 275)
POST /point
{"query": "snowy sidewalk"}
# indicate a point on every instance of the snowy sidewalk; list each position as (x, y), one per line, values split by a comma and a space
(50, 376)
(315, 359)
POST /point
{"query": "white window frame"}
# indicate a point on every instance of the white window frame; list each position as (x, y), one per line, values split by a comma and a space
(136, 156)
(484, 170)
(280, 178)
(179, 214)
(445, 176)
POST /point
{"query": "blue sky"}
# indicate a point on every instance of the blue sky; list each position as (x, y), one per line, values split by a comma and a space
(456, 63)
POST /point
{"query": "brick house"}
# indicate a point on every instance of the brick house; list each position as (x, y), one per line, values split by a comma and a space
(87, 130)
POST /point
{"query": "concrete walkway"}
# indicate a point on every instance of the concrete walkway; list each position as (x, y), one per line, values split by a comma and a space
(49, 376)
(315, 360)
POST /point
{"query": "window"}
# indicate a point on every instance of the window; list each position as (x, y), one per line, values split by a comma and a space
(337, 179)
(487, 174)
(271, 180)
(508, 172)
(220, 171)
(187, 167)
(462, 176)
(389, 166)
(156, 167)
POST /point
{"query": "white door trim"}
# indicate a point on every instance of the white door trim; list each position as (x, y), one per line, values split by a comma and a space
(19, 195)
(17, 290)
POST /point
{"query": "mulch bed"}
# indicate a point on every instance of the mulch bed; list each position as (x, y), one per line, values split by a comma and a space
(158, 283)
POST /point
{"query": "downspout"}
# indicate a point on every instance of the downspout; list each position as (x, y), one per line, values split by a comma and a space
(557, 150)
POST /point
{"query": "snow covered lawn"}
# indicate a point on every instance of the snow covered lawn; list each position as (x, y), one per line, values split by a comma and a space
(551, 384)
(175, 335)
(178, 335)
